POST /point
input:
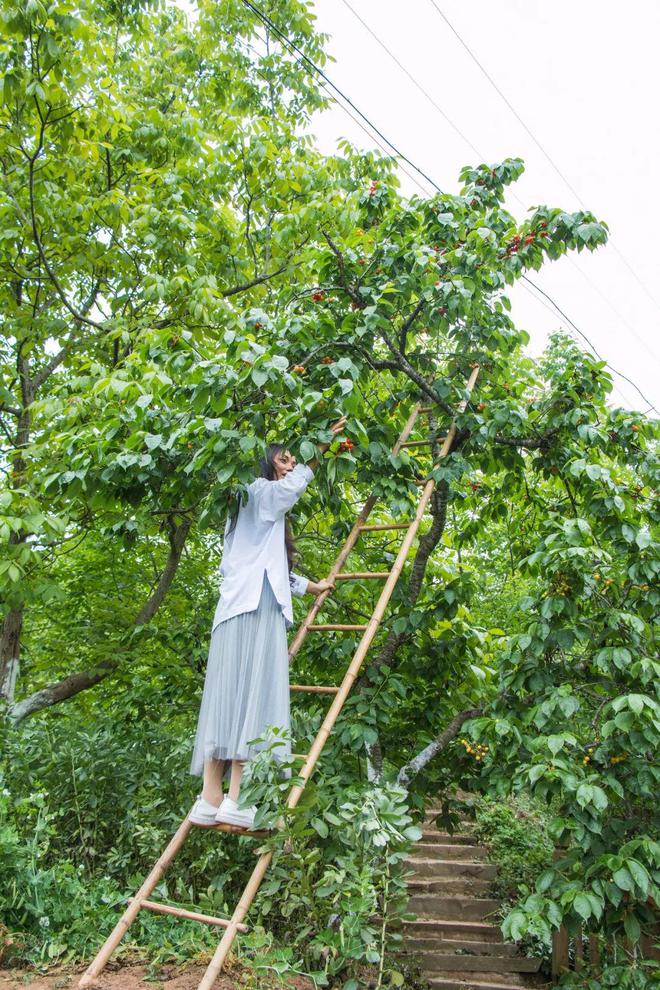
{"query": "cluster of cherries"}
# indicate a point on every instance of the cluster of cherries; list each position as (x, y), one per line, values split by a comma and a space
(478, 751)
(514, 243)
(346, 446)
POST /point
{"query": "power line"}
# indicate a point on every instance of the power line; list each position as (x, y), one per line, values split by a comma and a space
(483, 157)
(480, 154)
(266, 20)
(584, 337)
(536, 142)
(574, 337)
(359, 123)
(414, 81)
(616, 312)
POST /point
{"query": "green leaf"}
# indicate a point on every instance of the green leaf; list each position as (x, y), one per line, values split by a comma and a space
(639, 875)
(515, 925)
(582, 906)
(555, 743)
(632, 927)
(307, 450)
(536, 772)
(259, 376)
(225, 473)
(545, 881)
(623, 879)
(585, 794)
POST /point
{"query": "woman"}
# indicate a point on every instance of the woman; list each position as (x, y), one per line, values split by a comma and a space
(246, 686)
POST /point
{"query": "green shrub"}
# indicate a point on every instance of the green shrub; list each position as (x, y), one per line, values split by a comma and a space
(517, 837)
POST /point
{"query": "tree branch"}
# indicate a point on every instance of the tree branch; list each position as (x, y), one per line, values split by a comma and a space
(343, 277)
(72, 685)
(529, 443)
(423, 758)
(425, 547)
(37, 239)
(414, 375)
(408, 323)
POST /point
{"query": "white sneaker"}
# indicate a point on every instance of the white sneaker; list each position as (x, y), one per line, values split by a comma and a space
(229, 814)
(202, 812)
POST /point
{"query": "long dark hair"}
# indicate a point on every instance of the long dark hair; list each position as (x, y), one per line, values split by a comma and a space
(267, 469)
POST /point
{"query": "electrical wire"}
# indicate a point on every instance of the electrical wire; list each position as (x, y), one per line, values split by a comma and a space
(333, 99)
(584, 337)
(481, 155)
(536, 141)
(414, 81)
(285, 40)
(266, 20)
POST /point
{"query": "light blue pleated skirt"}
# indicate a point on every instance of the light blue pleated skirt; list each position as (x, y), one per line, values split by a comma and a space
(246, 686)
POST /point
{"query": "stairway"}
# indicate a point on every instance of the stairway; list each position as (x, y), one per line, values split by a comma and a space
(456, 937)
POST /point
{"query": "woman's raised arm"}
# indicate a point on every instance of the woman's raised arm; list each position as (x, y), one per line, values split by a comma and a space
(336, 428)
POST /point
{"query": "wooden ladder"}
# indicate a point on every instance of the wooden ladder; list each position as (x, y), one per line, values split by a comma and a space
(236, 924)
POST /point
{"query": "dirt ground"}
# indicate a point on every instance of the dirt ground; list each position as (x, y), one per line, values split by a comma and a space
(132, 977)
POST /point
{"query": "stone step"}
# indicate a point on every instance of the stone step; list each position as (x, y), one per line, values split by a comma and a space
(460, 981)
(465, 886)
(452, 838)
(441, 850)
(469, 979)
(432, 906)
(434, 812)
(429, 867)
(466, 946)
(434, 962)
(441, 928)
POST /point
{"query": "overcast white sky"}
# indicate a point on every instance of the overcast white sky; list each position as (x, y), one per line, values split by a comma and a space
(585, 78)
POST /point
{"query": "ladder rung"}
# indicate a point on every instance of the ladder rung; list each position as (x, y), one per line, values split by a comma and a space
(376, 526)
(426, 408)
(89, 977)
(336, 625)
(315, 688)
(358, 575)
(192, 915)
(240, 830)
(421, 443)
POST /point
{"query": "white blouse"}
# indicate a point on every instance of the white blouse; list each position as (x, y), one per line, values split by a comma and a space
(256, 544)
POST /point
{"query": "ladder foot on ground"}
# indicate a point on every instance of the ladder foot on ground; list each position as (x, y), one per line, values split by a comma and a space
(235, 924)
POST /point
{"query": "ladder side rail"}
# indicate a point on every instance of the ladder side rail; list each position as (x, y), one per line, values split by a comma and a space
(129, 915)
(351, 540)
(263, 862)
(376, 618)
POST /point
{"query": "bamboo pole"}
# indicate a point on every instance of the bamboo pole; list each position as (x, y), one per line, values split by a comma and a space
(351, 540)
(422, 443)
(361, 575)
(263, 862)
(314, 688)
(337, 625)
(378, 526)
(190, 915)
(373, 624)
(129, 915)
